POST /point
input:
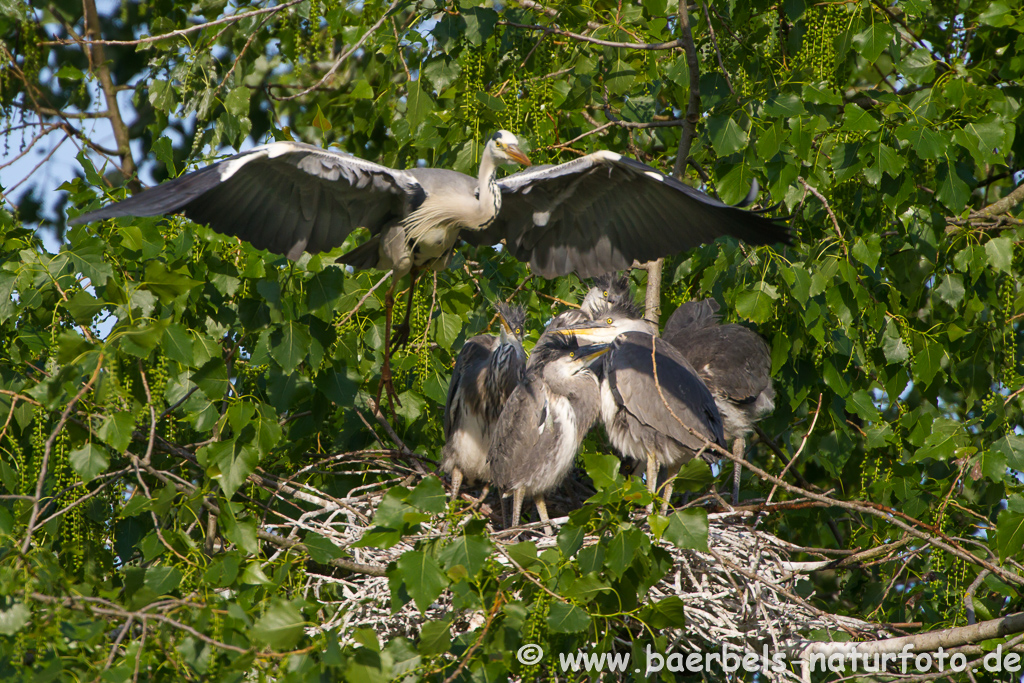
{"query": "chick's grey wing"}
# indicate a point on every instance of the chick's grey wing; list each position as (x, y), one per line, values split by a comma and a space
(287, 197)
(733, 358)
(464, 388)
(519, 434)
(686, 396)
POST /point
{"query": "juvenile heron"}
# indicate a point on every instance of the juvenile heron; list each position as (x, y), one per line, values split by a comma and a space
(734, 362)
(545, 419)
(486, 372)
(654, 406)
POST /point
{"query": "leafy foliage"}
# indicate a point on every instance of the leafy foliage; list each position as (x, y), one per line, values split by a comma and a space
(160, 384)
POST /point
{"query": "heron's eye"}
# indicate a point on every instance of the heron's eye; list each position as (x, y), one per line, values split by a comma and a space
(572, 354)
(518, 331)
(606, 294)
(609, 321)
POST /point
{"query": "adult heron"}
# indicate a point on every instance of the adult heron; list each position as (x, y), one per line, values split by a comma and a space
(654, 407)
(734, 362)
(539, 432)
(487, 370)
(591, 215)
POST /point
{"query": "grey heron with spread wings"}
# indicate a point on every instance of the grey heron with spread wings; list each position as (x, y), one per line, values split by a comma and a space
(598, 213)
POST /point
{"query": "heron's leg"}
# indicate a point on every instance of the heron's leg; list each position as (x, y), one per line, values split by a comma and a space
(517, 507)
(542, 511)
(402, 331)
(652, 478)
(484, 492)
(385, 369)
(670, 478)
(456, 482)
(738, 448)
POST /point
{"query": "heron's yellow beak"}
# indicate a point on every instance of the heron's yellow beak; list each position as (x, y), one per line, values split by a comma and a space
(593, 333)
(517, 155)
(589, 354)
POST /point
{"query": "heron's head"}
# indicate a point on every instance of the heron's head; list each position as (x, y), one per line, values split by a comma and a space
(513, 321)
(504, 147)
(614, 319)
(608, 289)
(563, 355)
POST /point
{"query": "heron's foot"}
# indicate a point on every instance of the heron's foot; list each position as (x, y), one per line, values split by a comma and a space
(401, 336)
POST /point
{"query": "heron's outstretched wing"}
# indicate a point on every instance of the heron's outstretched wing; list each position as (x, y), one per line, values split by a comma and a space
(686, 396)
(287, 197)
(602, 211)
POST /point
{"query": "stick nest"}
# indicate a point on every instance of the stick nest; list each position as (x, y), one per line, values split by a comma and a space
(742, 594)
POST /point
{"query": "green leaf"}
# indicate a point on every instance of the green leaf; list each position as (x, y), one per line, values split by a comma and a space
(1010, 535)
(666, 613)
(927, 362)
(927, 143)
(418, 105)
(603, 469)
(693, 476)
(953, 191)
(117, 429)
(755, 304)
(857, 120)
(570, 539)
(281, 626)
(893, 347)
(1000, 253)
(422, 577)
(469, 551)
(785, 105)
(567, 618)
(864, 406)
(447, 328)
(997, 13)
(163, 580)
(177, 344)
(620, 77)
(429, 495)
(727, 137)
(89, 461)
(621, 549)
(229, 463)
(289, 345)
(435, 638)
(490, 101)
(688, 529)
(362, 90)
(237, 102)
(951, 289)
(480, 22)
(524, 554)
(320, 548)
(873, 40)
(1012, 446)
(867, 250)
(14, 618)
(320, 121)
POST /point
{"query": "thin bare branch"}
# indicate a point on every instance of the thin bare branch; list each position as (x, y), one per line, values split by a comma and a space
(182, 31)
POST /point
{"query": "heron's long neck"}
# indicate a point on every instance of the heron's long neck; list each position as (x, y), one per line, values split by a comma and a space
(490, 195)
